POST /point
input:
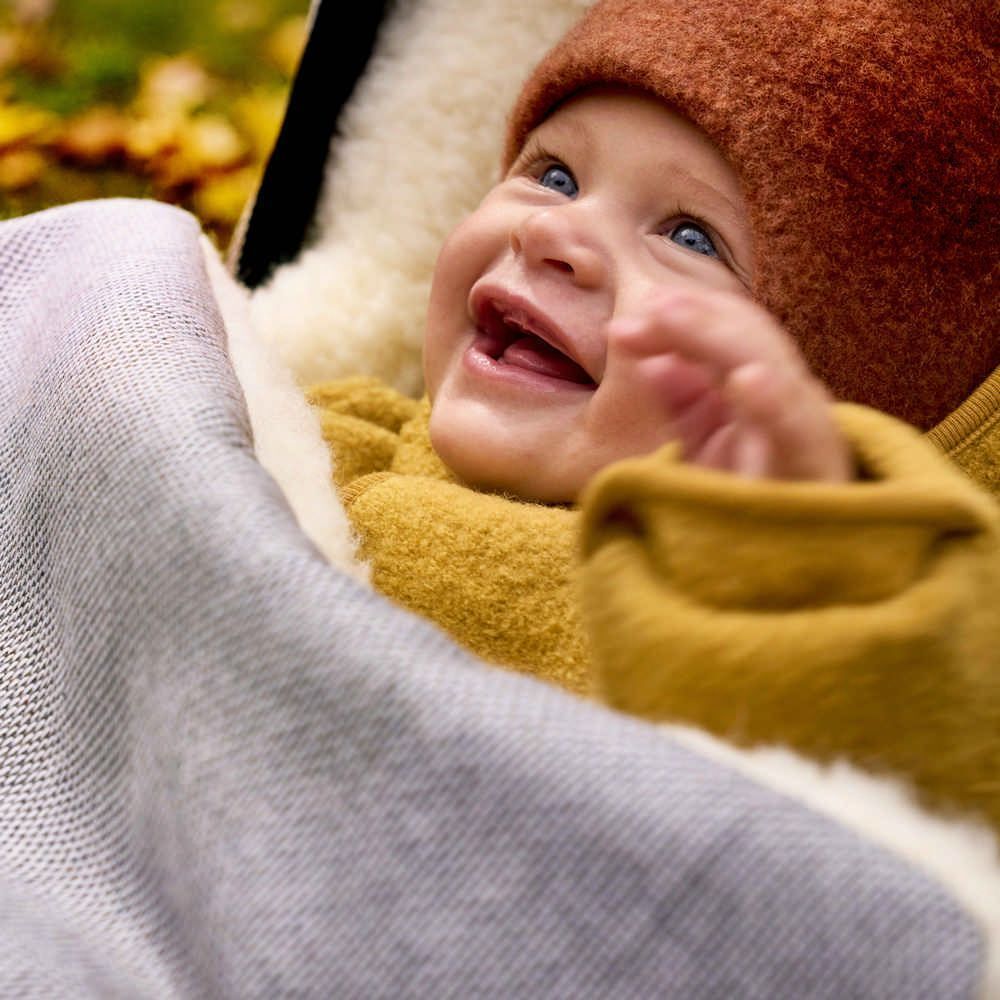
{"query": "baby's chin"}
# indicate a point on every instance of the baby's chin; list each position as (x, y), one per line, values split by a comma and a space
(478, 466)
(513, 483)
(524, 490)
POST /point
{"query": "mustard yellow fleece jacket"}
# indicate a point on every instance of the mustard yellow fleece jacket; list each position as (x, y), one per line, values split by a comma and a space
(858, 621)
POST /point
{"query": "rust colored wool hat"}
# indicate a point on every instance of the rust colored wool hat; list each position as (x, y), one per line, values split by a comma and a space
(865, 135)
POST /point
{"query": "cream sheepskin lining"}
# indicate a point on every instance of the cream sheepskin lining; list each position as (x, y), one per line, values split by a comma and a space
(286, 432)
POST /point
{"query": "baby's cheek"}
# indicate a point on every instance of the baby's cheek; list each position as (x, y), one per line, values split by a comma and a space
(433, 363)
(445, 436)
(467, 244)
(446, 323)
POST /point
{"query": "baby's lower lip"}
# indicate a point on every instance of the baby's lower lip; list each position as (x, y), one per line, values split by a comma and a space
(529, 351)
(479, 358)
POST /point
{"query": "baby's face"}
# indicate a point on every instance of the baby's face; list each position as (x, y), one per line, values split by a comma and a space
(612, 198)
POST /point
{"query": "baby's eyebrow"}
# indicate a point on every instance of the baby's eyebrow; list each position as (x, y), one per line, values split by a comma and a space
(567, 130)
(679, 172)
(736, 212)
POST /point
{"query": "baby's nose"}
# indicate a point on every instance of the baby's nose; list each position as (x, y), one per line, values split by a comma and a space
(561, 240)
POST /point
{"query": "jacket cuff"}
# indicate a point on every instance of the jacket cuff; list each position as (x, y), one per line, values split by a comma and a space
(731, 542)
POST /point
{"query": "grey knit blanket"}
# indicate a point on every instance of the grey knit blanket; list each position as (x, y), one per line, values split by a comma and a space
(228, 770)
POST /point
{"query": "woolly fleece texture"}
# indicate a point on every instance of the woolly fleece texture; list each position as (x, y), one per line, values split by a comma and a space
(494, 573)
(285, 429)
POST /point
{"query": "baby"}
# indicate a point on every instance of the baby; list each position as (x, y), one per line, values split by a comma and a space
(628, 475)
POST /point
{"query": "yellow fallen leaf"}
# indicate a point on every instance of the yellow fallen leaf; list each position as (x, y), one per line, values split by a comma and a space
(206, 145)
(240, 15)
(20, 168)
(20, 123)
(222, 199)
(174, 85)
(151, 138)
(213, 143)
(96, 137)
(259, 114)
(284, 45)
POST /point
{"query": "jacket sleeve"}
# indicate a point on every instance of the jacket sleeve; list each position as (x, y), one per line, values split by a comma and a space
(857, 620)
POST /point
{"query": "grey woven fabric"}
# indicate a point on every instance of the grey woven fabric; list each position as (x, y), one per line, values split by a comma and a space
(226, 770)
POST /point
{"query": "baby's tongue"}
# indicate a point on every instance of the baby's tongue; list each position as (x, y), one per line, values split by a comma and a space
(534, 354)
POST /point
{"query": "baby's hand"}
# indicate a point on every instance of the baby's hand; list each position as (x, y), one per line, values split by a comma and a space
(733, 386)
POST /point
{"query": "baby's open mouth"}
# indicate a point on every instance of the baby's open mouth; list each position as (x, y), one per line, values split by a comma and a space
(510, 338)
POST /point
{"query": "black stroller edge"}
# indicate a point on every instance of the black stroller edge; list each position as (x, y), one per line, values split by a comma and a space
(277, 223)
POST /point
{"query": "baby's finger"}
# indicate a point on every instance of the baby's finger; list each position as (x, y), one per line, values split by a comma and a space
(659, 379)
(753, 453)
(739, 449)
(697, 424)
(792, 412)
(678, 383)
(722, 330)
(690, 400)
(716, 452)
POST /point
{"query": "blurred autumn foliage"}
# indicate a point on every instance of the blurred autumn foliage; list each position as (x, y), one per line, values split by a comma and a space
(178, 100)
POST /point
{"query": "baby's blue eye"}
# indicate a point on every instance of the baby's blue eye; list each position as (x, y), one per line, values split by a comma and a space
(692, 236)
(559, 179)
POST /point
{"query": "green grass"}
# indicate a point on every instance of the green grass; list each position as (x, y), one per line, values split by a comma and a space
(97, 47)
